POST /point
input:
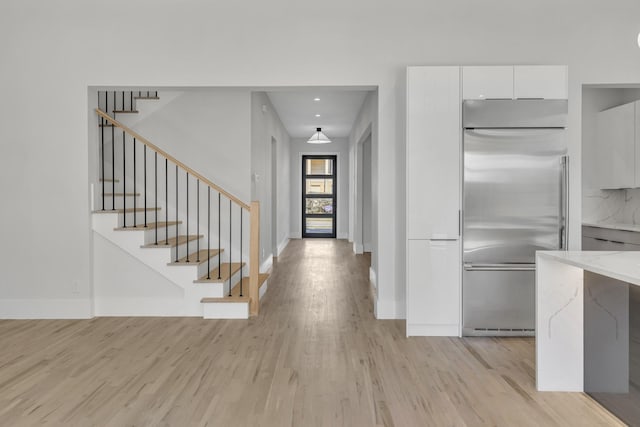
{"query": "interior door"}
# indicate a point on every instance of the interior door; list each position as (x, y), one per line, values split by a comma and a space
(319, 183)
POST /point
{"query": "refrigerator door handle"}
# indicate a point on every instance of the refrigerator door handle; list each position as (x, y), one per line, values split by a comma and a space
(563, 229)
(499, 267)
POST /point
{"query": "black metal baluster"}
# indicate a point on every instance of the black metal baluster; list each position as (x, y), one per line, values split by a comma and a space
(145, 186)
(131, 100)
(187, 217)
(198, 220)
(241, 265)
(166, 204)
(147, 94)
(219, 248)
(123, 101)
(124, 180)
(113, 163)
(230, 257)
(114, 103)
(177, 247)
(135, 202)
(209, 232)
(102, 122)
(156, 94)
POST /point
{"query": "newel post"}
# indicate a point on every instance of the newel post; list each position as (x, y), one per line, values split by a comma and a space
(254, 259)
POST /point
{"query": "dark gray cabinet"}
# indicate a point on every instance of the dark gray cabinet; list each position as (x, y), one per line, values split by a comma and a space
(606, 239)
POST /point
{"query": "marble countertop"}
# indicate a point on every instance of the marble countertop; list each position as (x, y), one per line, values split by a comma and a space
(614, 226)
(624, 266)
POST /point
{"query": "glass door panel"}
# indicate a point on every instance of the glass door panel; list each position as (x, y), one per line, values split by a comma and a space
(319, 196)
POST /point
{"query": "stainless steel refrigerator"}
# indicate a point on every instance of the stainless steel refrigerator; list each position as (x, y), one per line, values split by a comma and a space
(515, 202)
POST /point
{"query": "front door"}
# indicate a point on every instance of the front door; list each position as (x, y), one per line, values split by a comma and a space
(319, 196)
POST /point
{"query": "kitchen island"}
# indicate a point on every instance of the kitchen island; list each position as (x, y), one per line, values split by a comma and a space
(588, 327)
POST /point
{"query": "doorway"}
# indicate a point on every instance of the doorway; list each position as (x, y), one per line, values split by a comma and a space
(319, 185)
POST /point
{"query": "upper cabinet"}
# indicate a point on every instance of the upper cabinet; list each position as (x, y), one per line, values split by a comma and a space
(617, 147)
(433, 152)
(487, 82)
(515, 82)
(540, 81)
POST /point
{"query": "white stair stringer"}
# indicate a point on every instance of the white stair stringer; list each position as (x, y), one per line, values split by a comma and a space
(157, 258)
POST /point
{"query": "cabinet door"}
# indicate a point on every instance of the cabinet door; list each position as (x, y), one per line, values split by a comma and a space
(433, 152)
(433, 287)
(540, 81)
(616, 147)
(487, 82)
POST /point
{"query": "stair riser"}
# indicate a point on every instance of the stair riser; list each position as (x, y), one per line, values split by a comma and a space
(226, 310)
(119, 203)
(163, 233)
(139, 217)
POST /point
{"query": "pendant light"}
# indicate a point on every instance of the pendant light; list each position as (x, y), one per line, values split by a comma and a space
(319, 138)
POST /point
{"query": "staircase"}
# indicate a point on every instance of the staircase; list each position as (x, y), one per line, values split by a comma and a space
(174, 220)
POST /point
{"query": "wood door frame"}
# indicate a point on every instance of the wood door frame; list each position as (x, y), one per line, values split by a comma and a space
(334, 176)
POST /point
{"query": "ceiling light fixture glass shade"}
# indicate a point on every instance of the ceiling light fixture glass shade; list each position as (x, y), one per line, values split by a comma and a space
(319, 138)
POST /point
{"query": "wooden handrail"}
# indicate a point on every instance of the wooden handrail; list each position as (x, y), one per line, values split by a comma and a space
(169, 157)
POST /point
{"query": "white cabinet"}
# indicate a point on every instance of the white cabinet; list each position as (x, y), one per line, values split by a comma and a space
(433, 200)
(433, 294)
(487, 82)
(515, 82)
(617, 147)
(540, 81)
(433, 152)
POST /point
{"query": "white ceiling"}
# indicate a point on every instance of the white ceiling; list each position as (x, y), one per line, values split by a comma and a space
(338, 110)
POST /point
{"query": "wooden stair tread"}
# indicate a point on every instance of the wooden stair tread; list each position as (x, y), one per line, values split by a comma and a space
(128, 210)
(108, 180)
(193, 258)
(150, 226)
(122, 194)
(125, 111)
(173, 241)
(235, 292)
(224, 273)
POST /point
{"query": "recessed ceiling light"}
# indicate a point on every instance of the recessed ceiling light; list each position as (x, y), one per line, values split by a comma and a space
(316, 99)
(317, 115)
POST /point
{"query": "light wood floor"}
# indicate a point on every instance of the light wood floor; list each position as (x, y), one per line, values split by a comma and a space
(315, 357)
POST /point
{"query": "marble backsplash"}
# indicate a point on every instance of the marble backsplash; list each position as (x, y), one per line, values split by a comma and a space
(619, 206)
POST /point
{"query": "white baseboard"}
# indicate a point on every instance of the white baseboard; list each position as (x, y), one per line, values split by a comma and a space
(295, 235)
(357, 248)
(343, 235)
(266, 264)
(367, 247)
(432, 330)
(389, 309)
(373, 277)
(79, 308)
(282, 245)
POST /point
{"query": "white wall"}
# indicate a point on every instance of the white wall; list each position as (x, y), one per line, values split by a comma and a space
(266, 127)
(338, 146)
(367, 202)
(227, 43)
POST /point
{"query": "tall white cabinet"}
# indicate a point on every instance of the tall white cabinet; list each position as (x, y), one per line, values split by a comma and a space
(433, 200)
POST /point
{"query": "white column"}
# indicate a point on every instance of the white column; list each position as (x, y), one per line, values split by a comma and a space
(559, 326)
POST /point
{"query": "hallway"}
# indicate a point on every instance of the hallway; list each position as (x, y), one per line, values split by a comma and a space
(314, 356)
